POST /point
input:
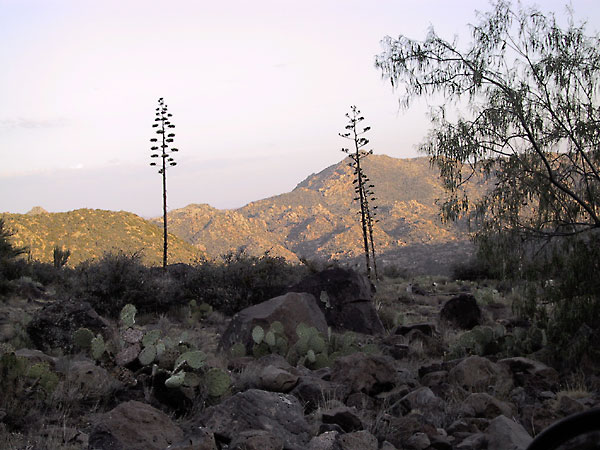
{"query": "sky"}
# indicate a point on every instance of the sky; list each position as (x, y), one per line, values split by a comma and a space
(258, 91)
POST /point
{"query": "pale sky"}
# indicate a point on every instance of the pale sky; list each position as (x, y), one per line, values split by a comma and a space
(258, 91)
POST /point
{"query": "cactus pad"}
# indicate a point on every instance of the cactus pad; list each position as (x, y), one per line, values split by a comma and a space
(217, 382)
(127, 315)
(258, 334)
(97, 347)
(147, 355)
(82, 338)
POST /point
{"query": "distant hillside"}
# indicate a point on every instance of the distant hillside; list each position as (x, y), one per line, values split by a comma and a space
(90, 233)
(318, 219)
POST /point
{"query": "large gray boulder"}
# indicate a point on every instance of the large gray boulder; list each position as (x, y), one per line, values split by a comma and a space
(506, 434)
(134, 425)
(290, 309)
(346, 299)
(253, 410)
(478, 374)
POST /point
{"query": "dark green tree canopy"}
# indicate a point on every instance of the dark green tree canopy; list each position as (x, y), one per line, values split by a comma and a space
(521, 108)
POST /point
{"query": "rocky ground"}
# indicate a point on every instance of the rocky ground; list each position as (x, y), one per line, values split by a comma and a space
(419, 365)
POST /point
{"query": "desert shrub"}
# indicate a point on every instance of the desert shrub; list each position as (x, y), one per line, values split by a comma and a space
(472, 270)
(238, 281)
(118, 278)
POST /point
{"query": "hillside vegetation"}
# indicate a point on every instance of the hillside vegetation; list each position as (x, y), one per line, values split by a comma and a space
(89, 233)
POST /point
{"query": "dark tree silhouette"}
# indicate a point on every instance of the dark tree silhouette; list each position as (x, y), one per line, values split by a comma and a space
(163, 151)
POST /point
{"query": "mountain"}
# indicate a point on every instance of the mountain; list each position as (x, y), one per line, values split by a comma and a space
(90, 233)
(318, 219)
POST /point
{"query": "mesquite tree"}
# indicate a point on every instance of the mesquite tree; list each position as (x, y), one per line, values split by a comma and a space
(164, 151)
(527, 92)
(363, 187)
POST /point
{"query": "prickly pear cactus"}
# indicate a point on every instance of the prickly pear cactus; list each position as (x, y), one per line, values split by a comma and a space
(176, 380)
(132, 335)
(127, 315)
(147, 355)
(258, 334)
(217, 382)
(82, 338)
(151, 338)
(195, 359)
(270, 339)
(238, 350)
(97, 347)
(277, 327)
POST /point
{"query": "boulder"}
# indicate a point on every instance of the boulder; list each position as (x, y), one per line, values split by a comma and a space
(506, 434)
(346, 299)
(360, 372)
(478, 374)
(358, 440)
(531, 374)
(84, 380)
(256, 440)
(290, 309)
(461, 311)
(279, 414)
(311, 391)
(133, 425)
(275, 379)
(53, 326)
(480, 404)
(347, 418)
(201, 439)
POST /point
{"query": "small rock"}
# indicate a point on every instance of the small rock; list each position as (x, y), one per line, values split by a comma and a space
(418, 441)
(275, 379)
(345, 417)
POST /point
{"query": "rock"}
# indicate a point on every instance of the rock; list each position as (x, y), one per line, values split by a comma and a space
(53, 326)
(324, 441)
(506, 434)
(531, 374)
(484, 405)
(478, 374)
(279, 414)
(290, 309)
(395, 346)
(311, 391)
(537, 417)
(36, 356)
(274, 379)
(476, 441)
(397, 430)
(84, 380)
(461, 311)
(421, 399)
(133, 425)
(567, 405)
(418, 441)
(347, 418)
(256, 440)
(428, 329)
(346, 299)
(371, 374)
(201, 439)
(358, 440)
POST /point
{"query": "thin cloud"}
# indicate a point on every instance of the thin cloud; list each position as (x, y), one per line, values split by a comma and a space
(28, 123)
